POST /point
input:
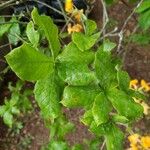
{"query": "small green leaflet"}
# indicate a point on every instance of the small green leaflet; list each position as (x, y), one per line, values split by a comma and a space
(28, 63)
(32, 35)
(91, 26)
(58, 145)
(46, 24)
(14, 32)
(107, 46)
(4, 27)
(87, 118)
(85, 42)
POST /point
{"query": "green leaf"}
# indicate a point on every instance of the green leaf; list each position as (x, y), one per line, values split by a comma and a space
(124, 104)
(107, 46)
(47, 94)
(14, 32)
(114, 138)
(71, 53)
(32, 35)
(87, 118)
(50, 30)
(77, 147)
(137, 94)
(58, 145)
(28, 63)
(123, 80)
(104, 69)
(90, 26)
(4, 27)
(8, 119)
(2, 110)
(75, 74)
(100, 130)
(144, 20)
(144, 6)
(101, 109)
(79, 96)
(15, 110)
(85, 42)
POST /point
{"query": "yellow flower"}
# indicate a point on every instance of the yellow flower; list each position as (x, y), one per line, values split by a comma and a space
(133, 139)
(145, 106)
(145, 86)
(69, 6)
(134, 84)
(134, 147)
(145, 141)
(74, 28)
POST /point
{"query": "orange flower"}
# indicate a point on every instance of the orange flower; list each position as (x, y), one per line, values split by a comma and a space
(74, 28)
(145, 86)
(134, 84)
(69, 6)
(145, 141)
(78, 15)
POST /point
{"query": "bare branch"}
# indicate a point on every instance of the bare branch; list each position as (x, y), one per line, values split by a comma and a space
(124, 26)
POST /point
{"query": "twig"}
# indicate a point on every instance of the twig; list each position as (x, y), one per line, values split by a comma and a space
(2, 46)
(7, 3)
(20, 22)
(102, 147)
(124, 25)
(105, 17)
(48, 6)
(62, 9)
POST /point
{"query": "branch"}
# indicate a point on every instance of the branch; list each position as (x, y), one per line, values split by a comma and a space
(7, 3)
(120, 34)
(105, 17)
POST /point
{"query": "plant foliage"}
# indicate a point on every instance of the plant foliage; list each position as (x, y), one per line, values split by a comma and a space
(79, 75)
